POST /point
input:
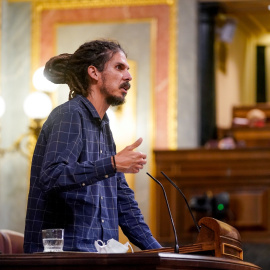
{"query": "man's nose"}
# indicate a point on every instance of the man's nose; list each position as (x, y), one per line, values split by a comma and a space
(128, 76)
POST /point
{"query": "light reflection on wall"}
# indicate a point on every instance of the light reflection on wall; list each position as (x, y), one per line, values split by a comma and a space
(123, 119)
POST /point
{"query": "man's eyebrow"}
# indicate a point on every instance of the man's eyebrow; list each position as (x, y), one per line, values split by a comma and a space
(122, 64)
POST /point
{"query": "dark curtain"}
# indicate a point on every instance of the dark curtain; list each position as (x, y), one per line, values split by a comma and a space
(207, 97)
(261, 76)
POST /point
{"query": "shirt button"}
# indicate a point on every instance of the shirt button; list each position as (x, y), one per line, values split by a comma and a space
(106, 176)
(102, 220)
(101, 197)
(83, 184)
(101, 151)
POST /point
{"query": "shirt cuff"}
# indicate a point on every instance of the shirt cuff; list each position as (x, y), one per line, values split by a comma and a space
(152, 243)
(104, 168)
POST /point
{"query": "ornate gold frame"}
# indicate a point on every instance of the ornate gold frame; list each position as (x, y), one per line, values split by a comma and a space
(40, 5)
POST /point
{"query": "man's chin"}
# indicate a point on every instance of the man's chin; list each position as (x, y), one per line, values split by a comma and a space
(115, 101)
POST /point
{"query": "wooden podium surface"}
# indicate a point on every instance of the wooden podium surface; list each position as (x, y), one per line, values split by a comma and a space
(138, 260)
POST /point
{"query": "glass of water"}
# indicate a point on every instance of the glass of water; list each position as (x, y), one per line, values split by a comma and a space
(53, 240)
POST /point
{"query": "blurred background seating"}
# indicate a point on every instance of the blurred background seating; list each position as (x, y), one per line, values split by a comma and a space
(11, 242)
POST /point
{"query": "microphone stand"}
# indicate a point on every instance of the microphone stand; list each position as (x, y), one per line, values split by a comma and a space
(195, 222)
(213, 236)
(176, 247)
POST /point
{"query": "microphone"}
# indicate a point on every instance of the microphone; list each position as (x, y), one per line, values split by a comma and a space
(176, 247)
(195, 222)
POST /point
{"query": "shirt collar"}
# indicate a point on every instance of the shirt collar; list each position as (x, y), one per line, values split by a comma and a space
(92, 109)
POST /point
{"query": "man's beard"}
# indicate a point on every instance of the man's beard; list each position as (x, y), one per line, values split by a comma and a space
(114, 100)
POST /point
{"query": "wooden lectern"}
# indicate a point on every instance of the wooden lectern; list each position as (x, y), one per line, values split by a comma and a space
(127, 261)
(216, 238)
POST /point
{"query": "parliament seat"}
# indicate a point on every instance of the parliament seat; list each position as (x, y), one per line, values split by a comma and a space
(250, 125)
(11, 242)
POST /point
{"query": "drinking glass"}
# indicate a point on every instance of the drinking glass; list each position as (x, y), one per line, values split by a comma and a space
(53, 240)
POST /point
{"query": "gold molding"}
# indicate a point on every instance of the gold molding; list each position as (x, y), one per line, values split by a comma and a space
(173, 83)
(1, 26)
(35, 37)
(94, 3)
(39, 5)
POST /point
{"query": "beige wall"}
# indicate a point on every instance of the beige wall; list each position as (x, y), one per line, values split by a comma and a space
(230, 59)
(236, 85)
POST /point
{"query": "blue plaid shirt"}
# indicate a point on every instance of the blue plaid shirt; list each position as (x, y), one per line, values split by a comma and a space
(73, 184)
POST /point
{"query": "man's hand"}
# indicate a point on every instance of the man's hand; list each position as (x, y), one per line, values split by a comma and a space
(129, 161)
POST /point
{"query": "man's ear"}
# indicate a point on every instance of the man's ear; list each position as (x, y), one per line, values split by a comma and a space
(93, 72)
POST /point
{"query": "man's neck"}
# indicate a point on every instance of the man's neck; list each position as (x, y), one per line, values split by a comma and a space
(98, 102)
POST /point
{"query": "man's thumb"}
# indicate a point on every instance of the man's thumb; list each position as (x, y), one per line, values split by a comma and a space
(136, 144)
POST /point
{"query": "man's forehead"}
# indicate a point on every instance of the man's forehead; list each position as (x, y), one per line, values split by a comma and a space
(119, 57)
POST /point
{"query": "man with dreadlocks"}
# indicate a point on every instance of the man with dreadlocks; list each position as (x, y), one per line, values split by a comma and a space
(77, 178)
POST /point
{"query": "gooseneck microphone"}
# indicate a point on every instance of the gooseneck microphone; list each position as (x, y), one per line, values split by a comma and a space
(176, 247)
(195, 222)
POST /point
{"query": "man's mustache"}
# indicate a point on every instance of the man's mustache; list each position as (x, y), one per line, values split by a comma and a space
(125, 85)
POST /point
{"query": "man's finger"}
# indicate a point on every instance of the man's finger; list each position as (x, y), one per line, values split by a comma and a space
(135, 144)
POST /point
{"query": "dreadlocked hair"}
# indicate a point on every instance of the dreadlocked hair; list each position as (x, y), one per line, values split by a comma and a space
(72, 69)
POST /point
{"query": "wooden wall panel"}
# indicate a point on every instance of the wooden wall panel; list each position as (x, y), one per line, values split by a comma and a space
(243, 173)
